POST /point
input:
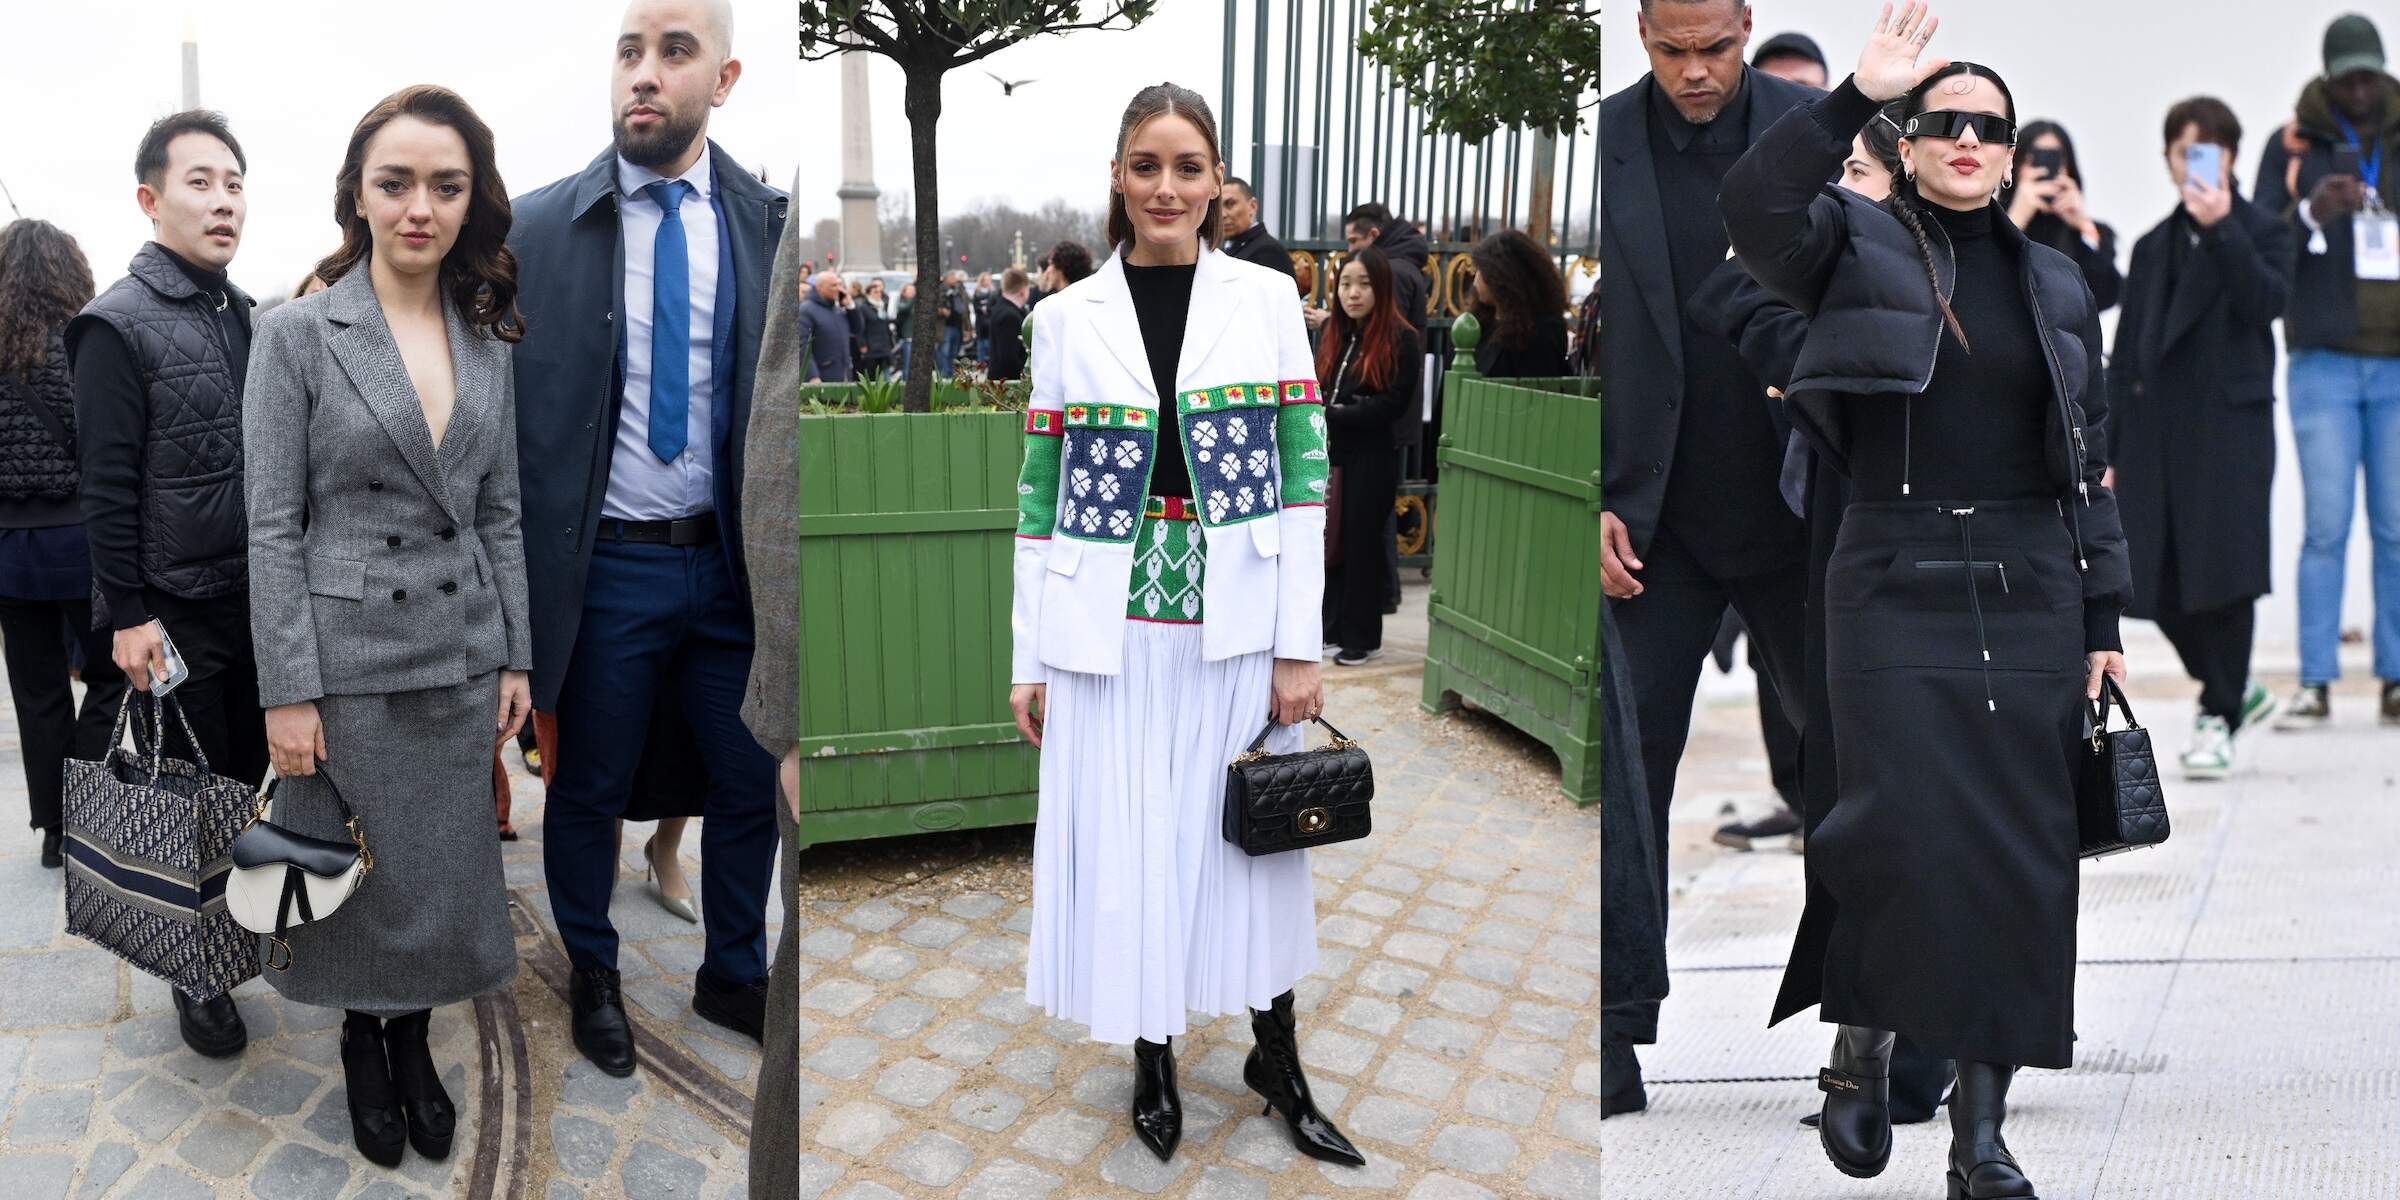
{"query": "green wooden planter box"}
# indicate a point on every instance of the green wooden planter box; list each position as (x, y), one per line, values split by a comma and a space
(1514, 618)
(906, 523)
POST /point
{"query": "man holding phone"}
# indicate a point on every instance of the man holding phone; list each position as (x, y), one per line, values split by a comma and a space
(2332, 177)
(2193, 425)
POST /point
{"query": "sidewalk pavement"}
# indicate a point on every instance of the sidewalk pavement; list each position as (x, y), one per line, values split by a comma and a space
(2237, 1000)
(1452, 1027)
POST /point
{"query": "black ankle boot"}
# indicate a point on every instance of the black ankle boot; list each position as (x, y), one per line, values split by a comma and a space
(1620, 1080)
(376, 1123)
(1157, 1106)
(1981, 1168)
(1856, 1124)
(432, 1119)
(1273, 1071)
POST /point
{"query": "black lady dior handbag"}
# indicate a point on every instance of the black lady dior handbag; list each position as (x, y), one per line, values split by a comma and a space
(1279, 802)
(2118, 803)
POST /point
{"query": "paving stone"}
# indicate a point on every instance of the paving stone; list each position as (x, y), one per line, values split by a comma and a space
(1587, 1078)
(1504, 935)
(1474, 1149)
(1020, 921)
(1107, 1087)
(581, 1146)
(874, 916)
(737, 1061)
(1370, 1015)
(1132, 1166)
(1578, 1122)
(915, 1082)
(295, 1172)
(62, 987)
(844, 1057)
(1333, 962)
(1519, 906)
(1439, 920)
(1343, 929)
(588, 1086)
(68, 1056)
(274, 1089)
(1261, 1142)
(167, 1183)
(1465, 998)
(1007, 1007)
(330, 1119)
(973, 906)
(1422, 948)
(826, 943)
(1489, 966)
(990, 953)
(1565, 1175)
(1544, 1022)
(1391, 878)
(1033, 1066)
(1532, 1060)
(1008, 1179)
(932, 933)
(560, 1189)
(1543, 882)
(1387, 1120)
(224, 1142)
(672, 1123)
(385, 1189)
(899, 1017)
(886, 963)
(676, 956)
(1225, 1183)
(1446, 1187)
(1379, 1175)
(931, 1158)
(1375, 905)
(946, 983)
(1573, 952)
(1063, 1135)
(988, 1109)
(1412, 1074)
(102, 1170)
(54, 1116)
(857, 1127)
(1220, 1068)
(869, 1190)
(653, 1170)
(1558, 983)
(1325, 1049)
(1504, 1101)
(1443, 1036)
(155, 1108)
(45, 1175)
(966, 1042)
(836, 997)
(1391, 978)
(145, 1037)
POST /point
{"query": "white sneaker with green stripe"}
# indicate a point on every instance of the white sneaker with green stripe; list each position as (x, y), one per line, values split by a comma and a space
(2211, 753)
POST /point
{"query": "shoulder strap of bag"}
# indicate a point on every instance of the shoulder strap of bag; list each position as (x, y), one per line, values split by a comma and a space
(348, 815)
(42, 412)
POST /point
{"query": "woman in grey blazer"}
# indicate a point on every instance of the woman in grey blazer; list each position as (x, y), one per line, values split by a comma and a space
(387, 593)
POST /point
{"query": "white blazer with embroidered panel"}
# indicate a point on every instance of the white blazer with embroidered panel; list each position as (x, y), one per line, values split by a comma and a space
(1254, 440)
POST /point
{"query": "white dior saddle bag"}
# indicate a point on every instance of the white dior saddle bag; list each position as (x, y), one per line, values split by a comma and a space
(281, 879)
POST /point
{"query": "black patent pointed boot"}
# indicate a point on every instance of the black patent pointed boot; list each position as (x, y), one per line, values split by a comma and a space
(1855, 1125)
(1157, 1106)
(432, 1119)
(1981, 1168)
(376, 1124)
(1273, 1071)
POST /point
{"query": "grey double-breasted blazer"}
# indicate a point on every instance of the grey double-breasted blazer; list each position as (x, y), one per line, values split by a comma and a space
(378, 563)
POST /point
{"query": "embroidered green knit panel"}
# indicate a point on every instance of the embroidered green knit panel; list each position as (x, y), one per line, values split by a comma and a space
(1169, 558)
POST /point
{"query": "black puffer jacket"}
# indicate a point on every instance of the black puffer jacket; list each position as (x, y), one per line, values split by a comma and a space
(1854, 271)
(35, 464)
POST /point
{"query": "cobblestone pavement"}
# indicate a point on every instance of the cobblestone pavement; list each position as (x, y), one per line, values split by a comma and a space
(1452, 1028)
(2236, 1001)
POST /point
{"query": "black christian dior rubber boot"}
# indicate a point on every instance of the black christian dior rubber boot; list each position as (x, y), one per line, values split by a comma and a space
(1981, 1168)
(376, 1124)
(1273, 1071)
(432, 1119)
(1157, 1106)
(1855, 1126)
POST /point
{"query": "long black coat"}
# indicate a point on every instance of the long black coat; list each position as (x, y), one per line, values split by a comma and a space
(1641, 329)
(2193, 381)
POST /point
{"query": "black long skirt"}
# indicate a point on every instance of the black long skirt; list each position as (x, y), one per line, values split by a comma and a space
(1955, 669)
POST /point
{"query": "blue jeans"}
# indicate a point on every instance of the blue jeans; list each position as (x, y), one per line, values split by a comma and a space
(947, 354)
(2345, 418)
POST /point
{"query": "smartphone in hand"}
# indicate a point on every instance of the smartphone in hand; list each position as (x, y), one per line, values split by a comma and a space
(2204, 163)
(177, 671)
(2346, 162)
(2051, 161)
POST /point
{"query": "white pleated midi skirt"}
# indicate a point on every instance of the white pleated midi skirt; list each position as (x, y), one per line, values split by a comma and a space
(1142, 911)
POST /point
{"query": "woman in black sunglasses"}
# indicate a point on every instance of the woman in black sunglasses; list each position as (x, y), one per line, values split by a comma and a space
(1952, 371)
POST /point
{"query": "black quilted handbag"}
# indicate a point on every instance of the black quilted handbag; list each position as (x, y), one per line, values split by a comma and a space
(1279, 802)
(2118, 803)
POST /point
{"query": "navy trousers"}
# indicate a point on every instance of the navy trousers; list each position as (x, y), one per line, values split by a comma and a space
(657, 618)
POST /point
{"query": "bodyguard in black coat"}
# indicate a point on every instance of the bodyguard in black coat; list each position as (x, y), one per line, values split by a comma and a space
(2193, 380)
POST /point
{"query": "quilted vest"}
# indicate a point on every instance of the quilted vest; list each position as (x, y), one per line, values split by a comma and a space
(194, 517)
(34, 464)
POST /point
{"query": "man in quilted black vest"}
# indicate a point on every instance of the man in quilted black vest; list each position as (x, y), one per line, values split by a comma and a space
(158, 361)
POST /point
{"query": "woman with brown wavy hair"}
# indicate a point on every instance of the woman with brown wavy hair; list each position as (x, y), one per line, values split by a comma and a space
(45, 563)
(387, 592)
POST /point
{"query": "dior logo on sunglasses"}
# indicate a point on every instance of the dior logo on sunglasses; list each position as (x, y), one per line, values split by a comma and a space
(1947, 123)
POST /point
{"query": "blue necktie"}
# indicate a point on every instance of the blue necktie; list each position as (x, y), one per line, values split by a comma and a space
(670, 324)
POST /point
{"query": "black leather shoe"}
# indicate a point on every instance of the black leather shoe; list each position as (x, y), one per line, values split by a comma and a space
(740, 1009)
(432, 1119)
(212, 1028)
(1856, 1125)
(51, 858)
(1621, 1088)
(376, 1122)
(1157, 1106)
(1273, 1071)
(601, 1030)
(1981, 1168)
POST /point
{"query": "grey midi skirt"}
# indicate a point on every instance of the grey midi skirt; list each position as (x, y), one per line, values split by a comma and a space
(430, 925)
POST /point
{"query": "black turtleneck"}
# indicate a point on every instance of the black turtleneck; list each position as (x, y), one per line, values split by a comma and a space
(1976, 433)
(1162, 301)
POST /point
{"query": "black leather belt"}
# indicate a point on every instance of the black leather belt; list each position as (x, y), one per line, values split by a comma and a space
(697, 530)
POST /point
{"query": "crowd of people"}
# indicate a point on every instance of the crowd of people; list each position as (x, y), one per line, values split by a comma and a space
(1859, 402)
(489, 463)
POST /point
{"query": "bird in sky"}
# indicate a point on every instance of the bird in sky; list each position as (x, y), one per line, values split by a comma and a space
(1009, 87)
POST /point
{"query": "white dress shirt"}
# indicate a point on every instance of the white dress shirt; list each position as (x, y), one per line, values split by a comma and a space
(640, 487)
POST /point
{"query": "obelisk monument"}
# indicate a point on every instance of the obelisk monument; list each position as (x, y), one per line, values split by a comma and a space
(862, 230)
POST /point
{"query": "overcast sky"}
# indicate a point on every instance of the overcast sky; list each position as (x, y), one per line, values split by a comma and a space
(294, 76)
